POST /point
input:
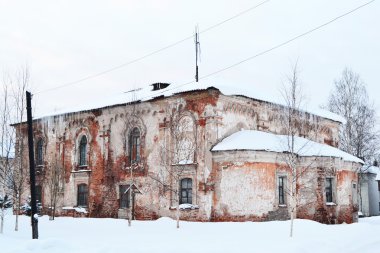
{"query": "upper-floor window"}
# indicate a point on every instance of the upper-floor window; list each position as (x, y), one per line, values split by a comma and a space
(134, 146)
(82, 195)
(329, 189)
(82, 151)
(186, 191)
(39, 152)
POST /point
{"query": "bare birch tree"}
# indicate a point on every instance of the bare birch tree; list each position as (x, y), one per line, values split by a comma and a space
(177, 152)
(349, 98)
(6, 151)
(130, 120)
(295, 124)
(359, 137)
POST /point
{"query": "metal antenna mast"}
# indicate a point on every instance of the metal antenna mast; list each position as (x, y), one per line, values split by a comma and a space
(197, 51)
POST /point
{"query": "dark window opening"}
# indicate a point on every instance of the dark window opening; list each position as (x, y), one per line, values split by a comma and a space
(124, 196)
(83, 151)
(39, 151)
(82, 195)
(378, 186)
(186, 191)
(134, 145)
(159, 86)
(38, 193)
(281, 190)
(329, 190)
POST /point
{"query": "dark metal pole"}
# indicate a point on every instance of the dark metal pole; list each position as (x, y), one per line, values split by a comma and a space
(196, 55)
(34, 216)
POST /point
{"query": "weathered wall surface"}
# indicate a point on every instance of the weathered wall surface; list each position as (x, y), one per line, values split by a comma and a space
(243, 190)
(246, 188)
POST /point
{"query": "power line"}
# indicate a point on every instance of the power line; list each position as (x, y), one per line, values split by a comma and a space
(151, 53)
(274, 47)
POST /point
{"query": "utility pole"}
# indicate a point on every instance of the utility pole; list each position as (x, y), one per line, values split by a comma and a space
(197, 52)
(34, 215)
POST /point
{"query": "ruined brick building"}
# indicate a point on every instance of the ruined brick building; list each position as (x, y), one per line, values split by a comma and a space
(222, 142)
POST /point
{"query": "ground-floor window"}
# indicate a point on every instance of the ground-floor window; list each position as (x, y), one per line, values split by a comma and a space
(186, 191)
(39, 193)
(281, 190)
(329, 189)
(82, 195)
(124, 196)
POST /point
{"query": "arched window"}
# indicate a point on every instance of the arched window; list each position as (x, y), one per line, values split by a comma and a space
(186, 191)
(134, 145)
(82, 195)
(83, 151)
(39, 152)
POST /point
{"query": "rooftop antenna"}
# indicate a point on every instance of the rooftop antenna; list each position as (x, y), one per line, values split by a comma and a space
(197, 51)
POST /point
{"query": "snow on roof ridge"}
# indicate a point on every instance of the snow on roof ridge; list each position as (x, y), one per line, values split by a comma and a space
(259, 140)
(146, 94)
(370, 169)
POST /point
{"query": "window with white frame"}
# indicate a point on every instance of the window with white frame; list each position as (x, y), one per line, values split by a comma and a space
(186, 191)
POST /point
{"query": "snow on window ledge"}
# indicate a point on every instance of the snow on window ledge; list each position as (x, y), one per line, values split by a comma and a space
(185, 207)
(330, 204)
(77, 209)
(67, 208)
(282, 205)
(81, 170)
(184, 162)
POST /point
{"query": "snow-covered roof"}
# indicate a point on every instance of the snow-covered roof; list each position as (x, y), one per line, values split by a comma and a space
(371, 169)
(263, 141)
(146, 94)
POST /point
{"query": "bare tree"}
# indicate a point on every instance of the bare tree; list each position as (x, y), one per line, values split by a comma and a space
(20, 83)
(54, 183)
(359, 137)
(177, 152)
(349, 99)
(134, 158)
(6, 150)
(294, 125)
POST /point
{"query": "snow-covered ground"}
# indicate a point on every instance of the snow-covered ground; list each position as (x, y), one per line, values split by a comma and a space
(84, 235)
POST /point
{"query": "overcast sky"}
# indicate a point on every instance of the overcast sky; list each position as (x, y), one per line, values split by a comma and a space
(64, 41)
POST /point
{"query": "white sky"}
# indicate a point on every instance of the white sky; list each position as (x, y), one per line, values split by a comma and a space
(63, 41)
